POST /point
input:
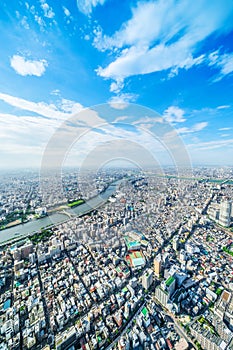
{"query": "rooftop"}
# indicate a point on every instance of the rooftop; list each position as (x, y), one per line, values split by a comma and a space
(169, 281)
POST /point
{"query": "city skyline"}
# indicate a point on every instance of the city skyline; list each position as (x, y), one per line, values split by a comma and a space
(59, 58)
(149, 266)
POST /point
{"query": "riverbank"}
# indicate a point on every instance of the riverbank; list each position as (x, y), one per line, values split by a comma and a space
(13, 223)
(49, 212)
(34, 226)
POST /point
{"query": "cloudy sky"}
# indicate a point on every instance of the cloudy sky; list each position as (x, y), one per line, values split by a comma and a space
(59, 57)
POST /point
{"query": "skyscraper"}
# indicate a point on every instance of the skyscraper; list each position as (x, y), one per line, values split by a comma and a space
(158, 266)
(225, 213)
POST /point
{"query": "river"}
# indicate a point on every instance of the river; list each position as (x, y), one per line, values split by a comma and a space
(56, 218)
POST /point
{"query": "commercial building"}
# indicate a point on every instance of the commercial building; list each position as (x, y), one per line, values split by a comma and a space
(147, 279)
(221, 213)
(225, 213)
(162, 295)
(158, 266)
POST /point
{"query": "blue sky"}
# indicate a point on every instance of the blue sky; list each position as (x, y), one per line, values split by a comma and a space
(58, 57)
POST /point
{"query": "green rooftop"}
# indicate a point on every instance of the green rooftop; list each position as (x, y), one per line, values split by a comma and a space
(144, 311)
(169, 281)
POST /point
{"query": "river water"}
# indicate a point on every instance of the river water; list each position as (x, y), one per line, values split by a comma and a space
(56, 218)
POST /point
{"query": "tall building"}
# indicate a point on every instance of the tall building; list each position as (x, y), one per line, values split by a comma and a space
(225, 213)
(162, 295)
(213, 211)
(182, 256)
(147, 279)
(170, 285)
(221, 213)
(158, 266)
(175, 243)
(164, 291)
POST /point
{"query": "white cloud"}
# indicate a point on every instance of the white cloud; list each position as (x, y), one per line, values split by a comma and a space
(41, 108)
(209, 145)
(24, 22)
(223, 107)
(26, 126)
(141, 60)
(40, 21)
(120, 119)
(116, 138)
(174, 114)
(48, 11)
(149, 121)
(86, 6)
(122, 101)
(69, 106)
(66, 11)
(32, 9)
(224, 62)
(23, 139)
(199, 126)
(224, 129)
(117, 86)
(28, 67)
(195, 128)
(55, 92)
(163, 35)
(28, 135)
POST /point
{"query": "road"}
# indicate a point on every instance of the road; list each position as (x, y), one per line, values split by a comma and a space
(126, 326)
(179, 329)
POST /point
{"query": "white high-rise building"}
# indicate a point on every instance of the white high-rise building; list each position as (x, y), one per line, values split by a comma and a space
(147, 279)
(175, 243)
(225, 213)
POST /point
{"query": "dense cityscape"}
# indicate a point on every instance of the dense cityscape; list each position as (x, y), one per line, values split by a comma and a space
(149, 268)
(116, 175)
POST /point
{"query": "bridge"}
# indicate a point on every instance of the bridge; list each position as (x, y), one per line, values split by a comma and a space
(226, 181)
